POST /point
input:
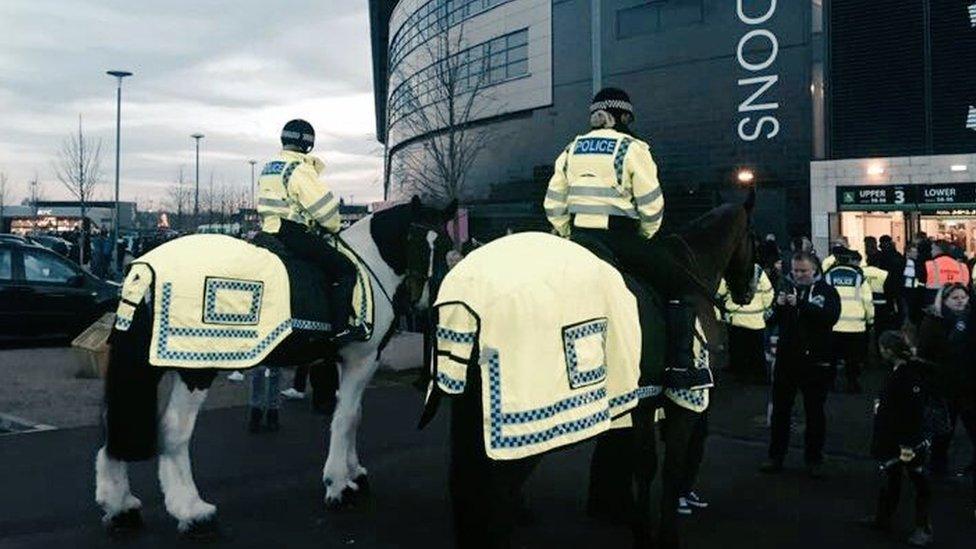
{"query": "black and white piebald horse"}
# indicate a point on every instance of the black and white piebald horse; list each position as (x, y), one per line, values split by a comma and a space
(486, 474)
(404, 250)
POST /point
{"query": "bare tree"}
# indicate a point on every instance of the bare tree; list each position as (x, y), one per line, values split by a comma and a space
(443, 100)
(180, 196)
(78, 169)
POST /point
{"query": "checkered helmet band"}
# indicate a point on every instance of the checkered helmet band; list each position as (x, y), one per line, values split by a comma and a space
(615, 104)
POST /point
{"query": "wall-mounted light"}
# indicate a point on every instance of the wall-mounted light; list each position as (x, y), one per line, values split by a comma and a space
(875, 169)
(958, 167)
(746, 176)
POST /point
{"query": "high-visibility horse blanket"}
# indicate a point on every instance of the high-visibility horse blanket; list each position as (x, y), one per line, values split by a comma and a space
(221, 302)
(554, 333)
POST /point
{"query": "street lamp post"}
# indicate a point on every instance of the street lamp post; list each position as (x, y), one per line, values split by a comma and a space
(119, 75)
(252, 163)
(196, 192)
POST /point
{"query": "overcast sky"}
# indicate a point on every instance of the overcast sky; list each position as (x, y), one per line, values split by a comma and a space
(235, 70)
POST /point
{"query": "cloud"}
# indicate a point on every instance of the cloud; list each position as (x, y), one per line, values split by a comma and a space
(235, 70)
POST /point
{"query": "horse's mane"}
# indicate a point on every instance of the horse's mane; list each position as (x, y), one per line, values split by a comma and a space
(711, 223)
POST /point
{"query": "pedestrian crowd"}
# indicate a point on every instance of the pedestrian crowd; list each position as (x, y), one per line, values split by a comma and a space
(910, 314)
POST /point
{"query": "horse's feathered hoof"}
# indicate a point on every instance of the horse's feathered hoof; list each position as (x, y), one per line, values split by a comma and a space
(362, 481)
(347, 500)
(125, 524)
(205, 529)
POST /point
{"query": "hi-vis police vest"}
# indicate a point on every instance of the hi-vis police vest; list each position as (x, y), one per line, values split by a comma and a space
(289, 188)
(601, 174)
(856, 303)
(876, 278)
(753, 315)
(944, 270)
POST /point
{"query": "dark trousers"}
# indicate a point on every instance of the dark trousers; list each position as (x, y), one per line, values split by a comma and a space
(813, 381)
(747, 354)
(940, 443)
(310, 247)
(684, 433)
(852, 348)
(891, 492)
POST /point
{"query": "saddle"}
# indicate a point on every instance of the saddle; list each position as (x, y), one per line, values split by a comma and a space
(311, 297)
(668, 328)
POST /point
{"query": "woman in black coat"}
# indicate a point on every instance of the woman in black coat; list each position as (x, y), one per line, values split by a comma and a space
(908, 413)
(946, 338)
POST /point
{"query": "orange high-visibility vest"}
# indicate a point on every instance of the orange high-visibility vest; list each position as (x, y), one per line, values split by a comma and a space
(945, 270)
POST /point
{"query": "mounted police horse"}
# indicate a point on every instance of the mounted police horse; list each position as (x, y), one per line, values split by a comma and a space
(203, 303)
(543, 344)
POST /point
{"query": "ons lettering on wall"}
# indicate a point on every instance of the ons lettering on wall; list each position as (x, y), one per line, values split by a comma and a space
(759, 118)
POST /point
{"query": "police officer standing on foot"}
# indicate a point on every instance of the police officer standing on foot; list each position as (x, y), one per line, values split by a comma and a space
(856, 314)
(604, 188)
(300, 211)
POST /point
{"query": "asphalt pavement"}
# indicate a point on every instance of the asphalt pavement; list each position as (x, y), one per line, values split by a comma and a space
(268, 491)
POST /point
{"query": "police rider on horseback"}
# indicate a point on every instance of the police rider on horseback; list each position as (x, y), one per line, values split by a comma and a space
(300, 211)
(604, 189)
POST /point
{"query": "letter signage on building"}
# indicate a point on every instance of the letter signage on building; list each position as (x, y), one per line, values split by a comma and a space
(758, 114)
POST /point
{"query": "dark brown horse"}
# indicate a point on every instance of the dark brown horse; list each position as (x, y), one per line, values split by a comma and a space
(485, 492)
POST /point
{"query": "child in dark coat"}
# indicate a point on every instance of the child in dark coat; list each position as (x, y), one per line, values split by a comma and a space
(907, 415)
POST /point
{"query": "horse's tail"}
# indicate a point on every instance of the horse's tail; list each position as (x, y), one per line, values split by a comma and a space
(130, 391)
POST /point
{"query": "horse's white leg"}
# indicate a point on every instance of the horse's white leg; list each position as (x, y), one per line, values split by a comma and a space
(342, 465)
(356, 470)
(175, 475)
(112, 486)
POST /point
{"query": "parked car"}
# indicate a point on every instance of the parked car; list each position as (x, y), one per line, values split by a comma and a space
(54, 243)
(45, 295)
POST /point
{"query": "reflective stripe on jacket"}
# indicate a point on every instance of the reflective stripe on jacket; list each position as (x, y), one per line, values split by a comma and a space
(601, 174)
(753, 315)
(876, 278)
(911, 278)
(856, 303)
(942, 270)
(290, 189)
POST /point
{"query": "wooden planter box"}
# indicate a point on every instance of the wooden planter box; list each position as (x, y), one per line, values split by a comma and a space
(94, 342)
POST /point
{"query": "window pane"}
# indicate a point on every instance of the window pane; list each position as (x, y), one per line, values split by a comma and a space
(517, 54)
(6, 268)
(497, 75)
(498, 59)
(46, 268)
(518, 39)
(518, 68)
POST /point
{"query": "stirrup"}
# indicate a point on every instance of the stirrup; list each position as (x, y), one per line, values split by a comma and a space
(349, 334)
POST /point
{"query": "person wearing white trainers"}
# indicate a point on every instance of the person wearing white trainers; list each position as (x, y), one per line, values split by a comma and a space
(292, 394)
(689, 502)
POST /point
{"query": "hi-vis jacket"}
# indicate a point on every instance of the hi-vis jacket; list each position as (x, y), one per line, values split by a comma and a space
(753, 315)
(601, 174)
(944, 269)
(289, 188)
(877, 278)
(856, 303)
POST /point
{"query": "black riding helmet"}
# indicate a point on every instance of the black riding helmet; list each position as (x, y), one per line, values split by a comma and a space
(298, 134)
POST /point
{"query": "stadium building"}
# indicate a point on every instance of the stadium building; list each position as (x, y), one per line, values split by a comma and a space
(784, 94)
